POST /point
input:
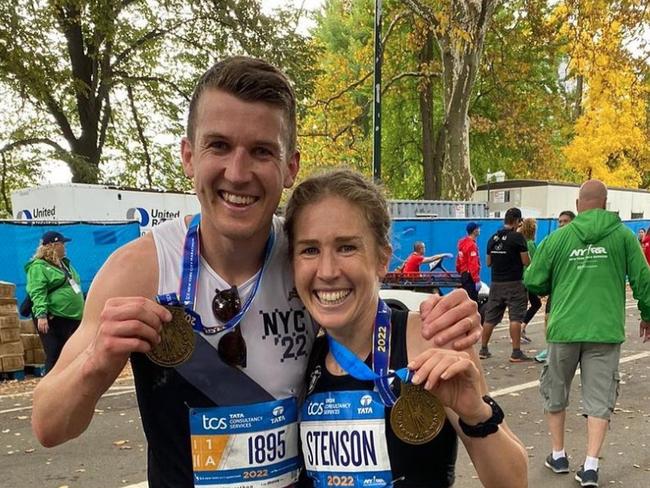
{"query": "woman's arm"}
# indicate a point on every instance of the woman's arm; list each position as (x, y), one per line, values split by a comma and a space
(457, 379)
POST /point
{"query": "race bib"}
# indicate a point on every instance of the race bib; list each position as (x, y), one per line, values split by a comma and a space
(245, 446)
(343, 436)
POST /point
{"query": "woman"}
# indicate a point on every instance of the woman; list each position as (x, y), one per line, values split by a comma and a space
(338, 226)
(529, 230)
(57, 300)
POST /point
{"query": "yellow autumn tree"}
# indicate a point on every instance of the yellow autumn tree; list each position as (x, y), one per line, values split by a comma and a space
(610, 141)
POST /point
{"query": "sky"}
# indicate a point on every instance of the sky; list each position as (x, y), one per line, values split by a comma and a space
(58, 172)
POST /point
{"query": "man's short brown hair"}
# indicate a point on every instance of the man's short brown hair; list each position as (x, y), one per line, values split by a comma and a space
(251, 80)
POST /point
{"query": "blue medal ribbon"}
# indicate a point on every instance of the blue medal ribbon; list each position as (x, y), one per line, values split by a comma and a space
(190, 278)
(380, 372)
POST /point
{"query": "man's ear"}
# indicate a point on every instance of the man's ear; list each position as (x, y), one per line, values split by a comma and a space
(186, 157)
(293, 166)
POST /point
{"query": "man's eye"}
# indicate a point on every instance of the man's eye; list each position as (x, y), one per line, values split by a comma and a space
(347, 248)
(219, 145)
(262, 152)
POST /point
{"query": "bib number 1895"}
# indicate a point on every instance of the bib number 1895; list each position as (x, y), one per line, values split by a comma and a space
(266, 448)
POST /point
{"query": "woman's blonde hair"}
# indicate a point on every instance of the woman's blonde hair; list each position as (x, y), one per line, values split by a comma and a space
(529, 229)
(48, 253)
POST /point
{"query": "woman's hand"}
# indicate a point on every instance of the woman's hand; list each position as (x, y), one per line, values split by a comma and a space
(43, 325)
(454, 378)
(451, 320)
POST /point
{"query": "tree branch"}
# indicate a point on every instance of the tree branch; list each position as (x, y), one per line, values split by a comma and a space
(143, 139)
(360, 81)
(61, 153)
(422, 11)
(154, 79)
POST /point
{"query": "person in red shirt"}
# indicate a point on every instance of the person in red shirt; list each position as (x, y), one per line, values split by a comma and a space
(468, 262)
(413, 262)
(645, 245)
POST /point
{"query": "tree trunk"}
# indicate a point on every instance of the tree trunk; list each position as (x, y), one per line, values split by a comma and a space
(460, 62)
(432, 174)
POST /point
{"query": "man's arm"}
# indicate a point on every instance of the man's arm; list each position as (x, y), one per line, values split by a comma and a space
(537, 276)
(474, 263)
(433, 258)
(638, 274)
(112, 328)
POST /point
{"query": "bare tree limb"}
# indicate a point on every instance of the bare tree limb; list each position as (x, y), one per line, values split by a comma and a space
(141, 136)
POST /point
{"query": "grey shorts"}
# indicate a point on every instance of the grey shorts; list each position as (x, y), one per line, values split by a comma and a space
(511, 294)
(598, 375)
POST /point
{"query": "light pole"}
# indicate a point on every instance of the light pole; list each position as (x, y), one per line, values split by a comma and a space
(376, 153)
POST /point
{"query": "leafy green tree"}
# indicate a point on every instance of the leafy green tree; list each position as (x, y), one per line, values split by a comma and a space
(108, 79)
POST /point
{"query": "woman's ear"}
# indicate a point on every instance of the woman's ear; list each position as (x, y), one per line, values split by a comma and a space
(385, 253)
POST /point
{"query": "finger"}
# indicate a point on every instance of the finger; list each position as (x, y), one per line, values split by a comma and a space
(147, 312)
(471, 338)
(462, 366)
(138, 303)
(133, 329)
(443, 304)
(419, 360)
(433, 380)
(427, 306)
(426, 365)
(455, 323)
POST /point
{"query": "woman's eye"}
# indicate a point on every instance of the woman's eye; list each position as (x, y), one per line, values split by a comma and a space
(309, 251)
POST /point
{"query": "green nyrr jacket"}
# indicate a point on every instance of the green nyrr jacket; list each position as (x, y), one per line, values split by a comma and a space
(42, 279)
(583, 266)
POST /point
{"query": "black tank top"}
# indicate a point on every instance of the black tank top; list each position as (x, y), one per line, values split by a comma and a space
(427, 465)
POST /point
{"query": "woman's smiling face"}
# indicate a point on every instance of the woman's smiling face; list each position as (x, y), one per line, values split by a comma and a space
(337, 263)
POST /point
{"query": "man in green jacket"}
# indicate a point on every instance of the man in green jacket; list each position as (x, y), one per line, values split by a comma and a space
(54, 288)
(584, 266)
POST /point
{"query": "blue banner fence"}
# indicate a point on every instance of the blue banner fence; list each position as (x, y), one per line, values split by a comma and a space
(91, 245)
(93, 242)
(442, 236)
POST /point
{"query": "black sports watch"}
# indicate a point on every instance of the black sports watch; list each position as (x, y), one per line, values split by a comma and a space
(490, 426)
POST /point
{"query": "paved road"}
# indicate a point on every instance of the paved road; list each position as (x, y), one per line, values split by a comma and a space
(111, 454)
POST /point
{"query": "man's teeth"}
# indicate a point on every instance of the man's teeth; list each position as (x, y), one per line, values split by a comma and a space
(332, 296)
(238, 199)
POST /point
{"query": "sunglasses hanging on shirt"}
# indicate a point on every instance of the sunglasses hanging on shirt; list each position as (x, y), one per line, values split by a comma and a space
(226, 304)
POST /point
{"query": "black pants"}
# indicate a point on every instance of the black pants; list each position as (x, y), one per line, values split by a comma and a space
(535, 305)
(60, 331)
(467, 283)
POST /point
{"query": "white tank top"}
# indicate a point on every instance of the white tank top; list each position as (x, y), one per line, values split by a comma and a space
(278, 331)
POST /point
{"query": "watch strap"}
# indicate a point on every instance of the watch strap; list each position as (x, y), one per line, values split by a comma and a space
(490, 426)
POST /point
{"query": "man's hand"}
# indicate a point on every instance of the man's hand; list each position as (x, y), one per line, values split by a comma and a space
(452, 318)
(644, 330)
(130, 324)
(43, 325)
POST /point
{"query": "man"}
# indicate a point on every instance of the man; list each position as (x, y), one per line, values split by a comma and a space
(583, 266)
(468, 263)
(239, 384)
(565, 218)
(646, 245)
(413, 262)
(507, 254)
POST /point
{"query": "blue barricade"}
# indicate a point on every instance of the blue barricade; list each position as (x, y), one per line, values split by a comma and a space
(91, 245)
(442, 235)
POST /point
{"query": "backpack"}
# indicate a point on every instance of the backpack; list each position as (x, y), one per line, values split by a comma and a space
(25, 307)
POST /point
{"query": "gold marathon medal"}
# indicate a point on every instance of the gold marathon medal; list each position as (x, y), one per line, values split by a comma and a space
(177, 340)
(417, 416)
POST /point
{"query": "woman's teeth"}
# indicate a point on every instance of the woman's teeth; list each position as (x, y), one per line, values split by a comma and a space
(332, 297)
